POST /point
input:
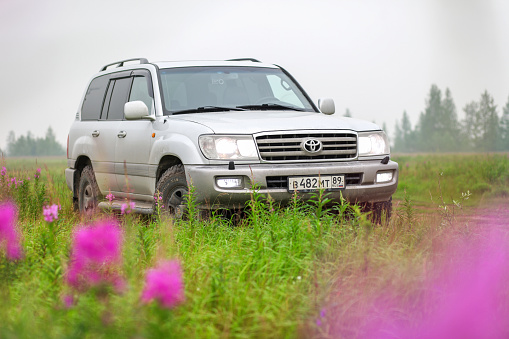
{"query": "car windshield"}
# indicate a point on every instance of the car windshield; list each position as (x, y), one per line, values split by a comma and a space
(209, 89)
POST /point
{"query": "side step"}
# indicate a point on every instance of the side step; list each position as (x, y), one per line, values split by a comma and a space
(141, 207)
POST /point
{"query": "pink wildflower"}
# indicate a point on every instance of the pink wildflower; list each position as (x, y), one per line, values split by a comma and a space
(110, 197)
(68, 301)
(158, 200)
(15, 182)
(37, 173)
(4, 171)
(9, 236)
(164, 284)
(96, 256)
(51, 212)
(127, 208)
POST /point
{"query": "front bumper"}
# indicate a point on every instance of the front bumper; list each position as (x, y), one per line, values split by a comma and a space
(363, 189)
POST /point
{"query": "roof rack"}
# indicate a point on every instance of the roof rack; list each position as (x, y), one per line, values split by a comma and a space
(121, 63)
(244, 59)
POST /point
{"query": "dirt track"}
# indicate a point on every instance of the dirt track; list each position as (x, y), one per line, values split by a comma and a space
(495, 213)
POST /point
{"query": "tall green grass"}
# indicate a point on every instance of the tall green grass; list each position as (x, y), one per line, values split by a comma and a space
(271, 275)
(429, 176)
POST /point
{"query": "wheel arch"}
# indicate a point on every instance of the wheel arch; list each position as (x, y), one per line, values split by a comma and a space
(79, 165)
(166, 162)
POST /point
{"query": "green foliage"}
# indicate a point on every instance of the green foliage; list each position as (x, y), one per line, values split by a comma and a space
(458, 173)
(267, 275)
(30, 146)
(26, 190)
(504, 127)
(438, 128)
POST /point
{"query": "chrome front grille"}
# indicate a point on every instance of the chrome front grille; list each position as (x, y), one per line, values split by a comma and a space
(289, 147)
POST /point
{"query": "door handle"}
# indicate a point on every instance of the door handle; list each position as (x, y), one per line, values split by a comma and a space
(121, 134)
(95, 133)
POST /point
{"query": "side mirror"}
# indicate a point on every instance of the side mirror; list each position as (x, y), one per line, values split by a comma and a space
(136, 110)
(326, 106)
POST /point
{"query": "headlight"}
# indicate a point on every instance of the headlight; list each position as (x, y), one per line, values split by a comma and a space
(228, 147)
(373, 143)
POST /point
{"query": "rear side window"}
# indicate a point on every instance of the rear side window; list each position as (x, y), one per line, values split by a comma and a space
(92, 105)
(119, 98)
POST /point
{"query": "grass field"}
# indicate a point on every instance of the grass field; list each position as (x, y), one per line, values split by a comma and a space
(290, 272)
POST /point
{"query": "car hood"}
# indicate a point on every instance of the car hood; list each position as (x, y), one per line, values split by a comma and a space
(251, 122)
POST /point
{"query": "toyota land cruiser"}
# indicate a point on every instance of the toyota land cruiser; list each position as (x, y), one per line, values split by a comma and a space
(148, 128)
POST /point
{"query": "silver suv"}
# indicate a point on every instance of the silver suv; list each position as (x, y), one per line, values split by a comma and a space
(149, 129)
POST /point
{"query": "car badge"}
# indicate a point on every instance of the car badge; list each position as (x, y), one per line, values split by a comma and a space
(312, 145)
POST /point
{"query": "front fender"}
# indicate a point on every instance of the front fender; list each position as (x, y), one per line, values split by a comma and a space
(180, 146)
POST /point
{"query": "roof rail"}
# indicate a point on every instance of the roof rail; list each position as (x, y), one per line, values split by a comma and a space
(244, 59)
(121, 63)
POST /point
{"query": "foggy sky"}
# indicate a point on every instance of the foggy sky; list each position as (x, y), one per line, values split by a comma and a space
(376, 58)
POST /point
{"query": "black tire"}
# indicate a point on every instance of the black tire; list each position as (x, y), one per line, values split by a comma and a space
(172, 186)
(379, 210)
(88, 191)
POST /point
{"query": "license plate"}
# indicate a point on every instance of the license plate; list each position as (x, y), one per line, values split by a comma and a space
(327, 182)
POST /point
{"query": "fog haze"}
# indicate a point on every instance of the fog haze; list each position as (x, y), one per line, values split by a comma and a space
(376, 58)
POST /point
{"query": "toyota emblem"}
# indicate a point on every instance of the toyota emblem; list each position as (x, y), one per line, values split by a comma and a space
(312, 145)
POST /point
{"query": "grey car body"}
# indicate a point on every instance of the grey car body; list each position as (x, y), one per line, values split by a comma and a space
(224, 127)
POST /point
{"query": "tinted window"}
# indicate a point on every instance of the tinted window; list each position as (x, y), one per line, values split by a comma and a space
(141, 91)
(106, 105)
(119, 98)
(91, 109)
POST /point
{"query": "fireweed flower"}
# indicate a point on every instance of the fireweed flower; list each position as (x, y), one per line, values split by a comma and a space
(164, 284)
(110, 197)
(51, 212)
(37, 173)
(96, 257)
(127, 208)
(159, 200)
(68, 301)
(4, 171)
(9, 236)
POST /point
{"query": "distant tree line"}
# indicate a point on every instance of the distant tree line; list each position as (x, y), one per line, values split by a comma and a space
(438, 128)
(31, 146)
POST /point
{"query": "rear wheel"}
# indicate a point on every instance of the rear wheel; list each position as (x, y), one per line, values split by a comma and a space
(172, 187)
(88, 191)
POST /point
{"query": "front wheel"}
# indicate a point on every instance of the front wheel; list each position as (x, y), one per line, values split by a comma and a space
(379, 211)
(172, 187)
(88, 191)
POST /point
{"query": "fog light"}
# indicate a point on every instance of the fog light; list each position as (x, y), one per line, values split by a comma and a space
(384, 176)
(229, 182)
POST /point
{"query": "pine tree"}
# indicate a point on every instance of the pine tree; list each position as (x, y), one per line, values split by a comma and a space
(398, 138)
(489, 118)
(347, 113)
(472, 126)
(430, 126)
(408, 135)
(52, 147)
(30, 146)
(504, 128)
(449, 137)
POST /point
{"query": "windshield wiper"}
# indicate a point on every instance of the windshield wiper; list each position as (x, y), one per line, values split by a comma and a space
(265, 107)
(208, 109)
